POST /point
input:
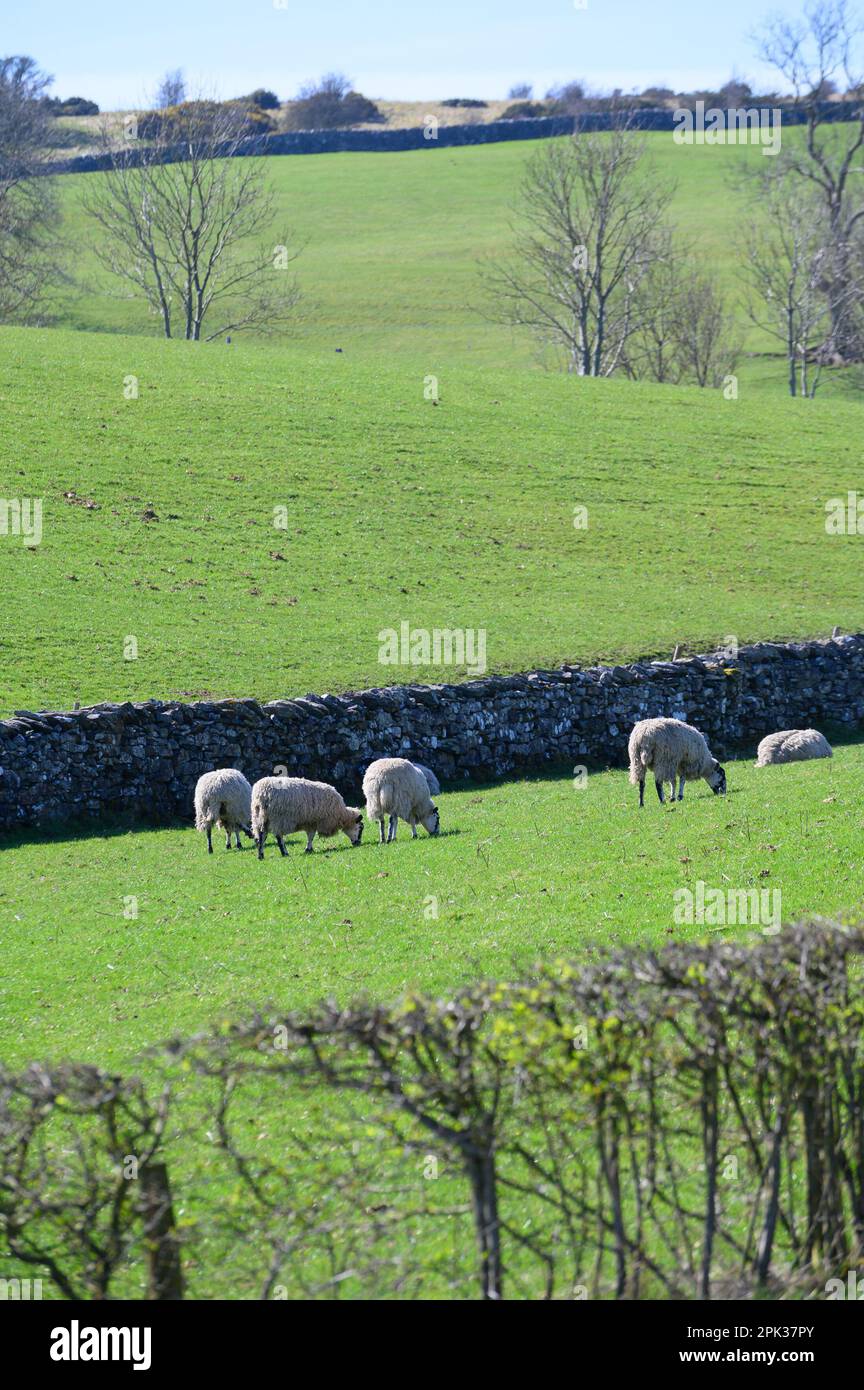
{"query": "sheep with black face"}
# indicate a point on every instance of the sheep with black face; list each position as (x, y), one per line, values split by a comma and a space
(674, 751)
(396, 788)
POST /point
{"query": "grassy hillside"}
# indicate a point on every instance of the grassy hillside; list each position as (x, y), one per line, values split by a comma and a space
(520, 871)
(705, 517)
(247, 520)
(392, 244)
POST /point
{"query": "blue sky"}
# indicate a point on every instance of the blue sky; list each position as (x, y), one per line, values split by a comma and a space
(114, 52)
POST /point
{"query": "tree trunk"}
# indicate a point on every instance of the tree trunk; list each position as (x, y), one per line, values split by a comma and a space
(160, 1236)
(484, 1200)
(766, 1237)
(710, 1136)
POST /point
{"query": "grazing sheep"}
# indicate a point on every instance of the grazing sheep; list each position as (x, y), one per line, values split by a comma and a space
(792, 746)
(431, 780)
(285, 804)
(398, 788)
(223, 797)
(672, 750)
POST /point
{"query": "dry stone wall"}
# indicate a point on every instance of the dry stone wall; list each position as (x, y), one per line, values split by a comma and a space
(417, 137)
(144, 759)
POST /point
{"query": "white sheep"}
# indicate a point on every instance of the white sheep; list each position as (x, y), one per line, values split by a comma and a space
(792, 746)
(223, 797)
(431, 780)
(672, 749)
(397, 788)
(286, 804)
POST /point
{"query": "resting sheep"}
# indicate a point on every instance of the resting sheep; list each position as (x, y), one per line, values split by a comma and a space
(672, 749)
(431, 780)
(223, 797)
(397, 788)
(792, 746)
(286, 804)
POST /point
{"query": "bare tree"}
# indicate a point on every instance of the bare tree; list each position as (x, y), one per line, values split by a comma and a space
(29, 254)
(171, 90)
(686, 332)
(330, 104)
(815, 54)
(653, 349)
(569, 97)
(789, 268)
(708, 346)
(180, 217)
(591, 227)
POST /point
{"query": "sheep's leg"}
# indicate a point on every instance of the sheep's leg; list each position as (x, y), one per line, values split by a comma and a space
(413, 829)
(209, 839)
(381, 828)
(281, 843)
(642, 792)
(659, 785)
(237, 839)
(681, 789)
(391, 834)
(310, 836)
(672, 785)
(227, 839)
(262, 836)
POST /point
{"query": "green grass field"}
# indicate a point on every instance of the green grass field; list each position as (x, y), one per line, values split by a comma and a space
(261, 512)
(705, 520)
(393, 246)
(521, 871)
(706, 517)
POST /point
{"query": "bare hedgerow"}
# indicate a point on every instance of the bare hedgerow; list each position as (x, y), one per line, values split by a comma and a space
(682, 1123)
(679, 1123)
(81, 1179)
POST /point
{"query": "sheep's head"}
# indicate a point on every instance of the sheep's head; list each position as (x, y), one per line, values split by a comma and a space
(716, 779)
(354, 828)
(432, 822)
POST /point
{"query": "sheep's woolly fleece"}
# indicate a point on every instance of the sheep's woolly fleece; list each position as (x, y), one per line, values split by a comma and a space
(431, 780)
(284, 805)
(223, 797)
(396, 787)
(792, 746)
(671, 749)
